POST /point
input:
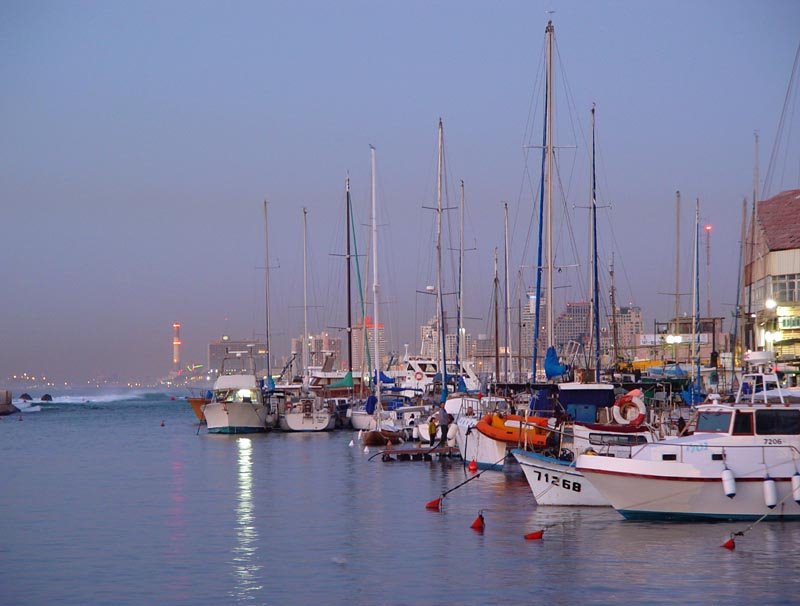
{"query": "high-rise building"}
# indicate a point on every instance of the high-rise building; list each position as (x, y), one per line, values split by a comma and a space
(360, 356)
(572, 325)
(629, 324)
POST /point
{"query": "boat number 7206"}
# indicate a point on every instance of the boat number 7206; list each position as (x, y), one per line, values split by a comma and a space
(773, 441)
(557, 481)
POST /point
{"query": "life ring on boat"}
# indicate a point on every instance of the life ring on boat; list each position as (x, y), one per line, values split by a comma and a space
(418, 376)
(624, 403)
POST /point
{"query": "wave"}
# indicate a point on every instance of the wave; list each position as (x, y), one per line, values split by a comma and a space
(100, 398)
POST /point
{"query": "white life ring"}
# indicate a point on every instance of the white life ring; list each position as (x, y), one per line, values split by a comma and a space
(632, 399)
(418, 376)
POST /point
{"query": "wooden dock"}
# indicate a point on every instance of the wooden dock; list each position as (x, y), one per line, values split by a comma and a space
(416, 453)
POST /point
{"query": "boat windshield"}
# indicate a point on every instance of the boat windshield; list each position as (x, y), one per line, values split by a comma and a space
(714, 421)
(236, 395)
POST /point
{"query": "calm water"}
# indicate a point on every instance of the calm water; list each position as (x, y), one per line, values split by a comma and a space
(99, 504)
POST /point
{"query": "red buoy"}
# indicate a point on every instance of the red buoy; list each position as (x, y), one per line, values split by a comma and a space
(729, 544)
(473, 466)
(435, 504)
(162, 423)
(535, 535)
(479, 524)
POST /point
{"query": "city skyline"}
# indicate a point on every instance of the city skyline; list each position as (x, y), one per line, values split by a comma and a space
(138, 153)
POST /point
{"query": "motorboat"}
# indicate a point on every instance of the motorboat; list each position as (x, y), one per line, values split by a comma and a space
(737, 460)
(237, 401)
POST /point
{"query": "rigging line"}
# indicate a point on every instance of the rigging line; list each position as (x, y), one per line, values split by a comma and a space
(632, 299)
(779, 134)
(536, 97)
(568, 223)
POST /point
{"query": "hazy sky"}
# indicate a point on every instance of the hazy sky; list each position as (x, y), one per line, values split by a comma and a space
(139, 140)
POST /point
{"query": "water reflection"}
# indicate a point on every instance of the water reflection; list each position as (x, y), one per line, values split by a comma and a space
(246, 567)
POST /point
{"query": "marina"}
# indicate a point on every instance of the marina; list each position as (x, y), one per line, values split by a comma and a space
(501, 367)
(281, 517)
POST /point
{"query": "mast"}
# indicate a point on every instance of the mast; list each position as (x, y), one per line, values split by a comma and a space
(595, 280)
(614, 333)
(266, 288)
(439, 299)
(507, 303)
(549, 30)
(305, 298)
(349, 282)
(460, 320)
(375, 286)
(696, 299)
(739, 272)
(496, 323)
(677, 257)
(750, 328)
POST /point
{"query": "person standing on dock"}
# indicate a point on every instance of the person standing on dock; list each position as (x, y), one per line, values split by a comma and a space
(444, 420)
(432, 430)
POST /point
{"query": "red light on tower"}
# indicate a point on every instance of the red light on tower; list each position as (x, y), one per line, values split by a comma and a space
(176, 345)
(708, 228)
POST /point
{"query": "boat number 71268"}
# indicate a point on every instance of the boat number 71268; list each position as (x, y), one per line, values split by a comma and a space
(557, 481)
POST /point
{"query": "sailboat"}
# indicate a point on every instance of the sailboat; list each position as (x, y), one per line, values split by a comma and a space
(551, 472)
(308, 412)
(382, 431)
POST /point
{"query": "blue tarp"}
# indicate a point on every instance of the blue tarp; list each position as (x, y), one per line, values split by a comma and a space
(462, 386)
(372, 401)
(384, 378)
(552, 367)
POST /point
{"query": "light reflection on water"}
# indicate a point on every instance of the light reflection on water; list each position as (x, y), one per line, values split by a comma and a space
(245, 551)
(106, 506)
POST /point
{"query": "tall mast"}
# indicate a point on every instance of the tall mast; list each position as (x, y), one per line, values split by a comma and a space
(677, 257)
(740, 270)
(614, 333)
(707, 229)
(266, 287)
(439, 301)
(496, 322)
(460, 337)
(696, 298)
(549, 207)
(507, 301)
(595, 279)
(305, 298)
(375, 286)
(349, 282)
(750, 329)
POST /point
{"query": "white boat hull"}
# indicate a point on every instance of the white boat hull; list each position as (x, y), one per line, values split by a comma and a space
(235, 417)
(318, 420)
(362, 421)
(487, 452)
(642, 489)
(556, 482)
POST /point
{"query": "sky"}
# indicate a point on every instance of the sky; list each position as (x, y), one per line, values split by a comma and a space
(140, 140)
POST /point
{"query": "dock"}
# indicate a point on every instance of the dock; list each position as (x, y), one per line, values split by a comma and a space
(416, 453)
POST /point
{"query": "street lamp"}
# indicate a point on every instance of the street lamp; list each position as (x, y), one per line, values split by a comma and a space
(770, 303)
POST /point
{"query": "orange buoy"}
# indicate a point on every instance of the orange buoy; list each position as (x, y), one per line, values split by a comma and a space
(436, 504)
(473, 466)
(535, 535)
(479, 524)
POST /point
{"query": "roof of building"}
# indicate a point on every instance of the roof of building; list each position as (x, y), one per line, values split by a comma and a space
(779, 217)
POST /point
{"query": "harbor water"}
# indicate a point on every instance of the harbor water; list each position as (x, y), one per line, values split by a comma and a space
(101, 503)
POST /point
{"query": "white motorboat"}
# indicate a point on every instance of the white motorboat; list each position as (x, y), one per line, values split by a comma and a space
(237, 403)
(739, 460)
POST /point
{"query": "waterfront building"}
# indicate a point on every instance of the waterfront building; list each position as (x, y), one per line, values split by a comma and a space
(572, 325)
(360, 356)
(771, 303)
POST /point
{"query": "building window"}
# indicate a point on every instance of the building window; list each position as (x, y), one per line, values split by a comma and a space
(786, 288)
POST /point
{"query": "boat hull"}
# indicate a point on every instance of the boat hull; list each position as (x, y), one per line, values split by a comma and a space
(487, 452)
(556, 482)
(235, 417)
(320, 420)
(640, 490)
